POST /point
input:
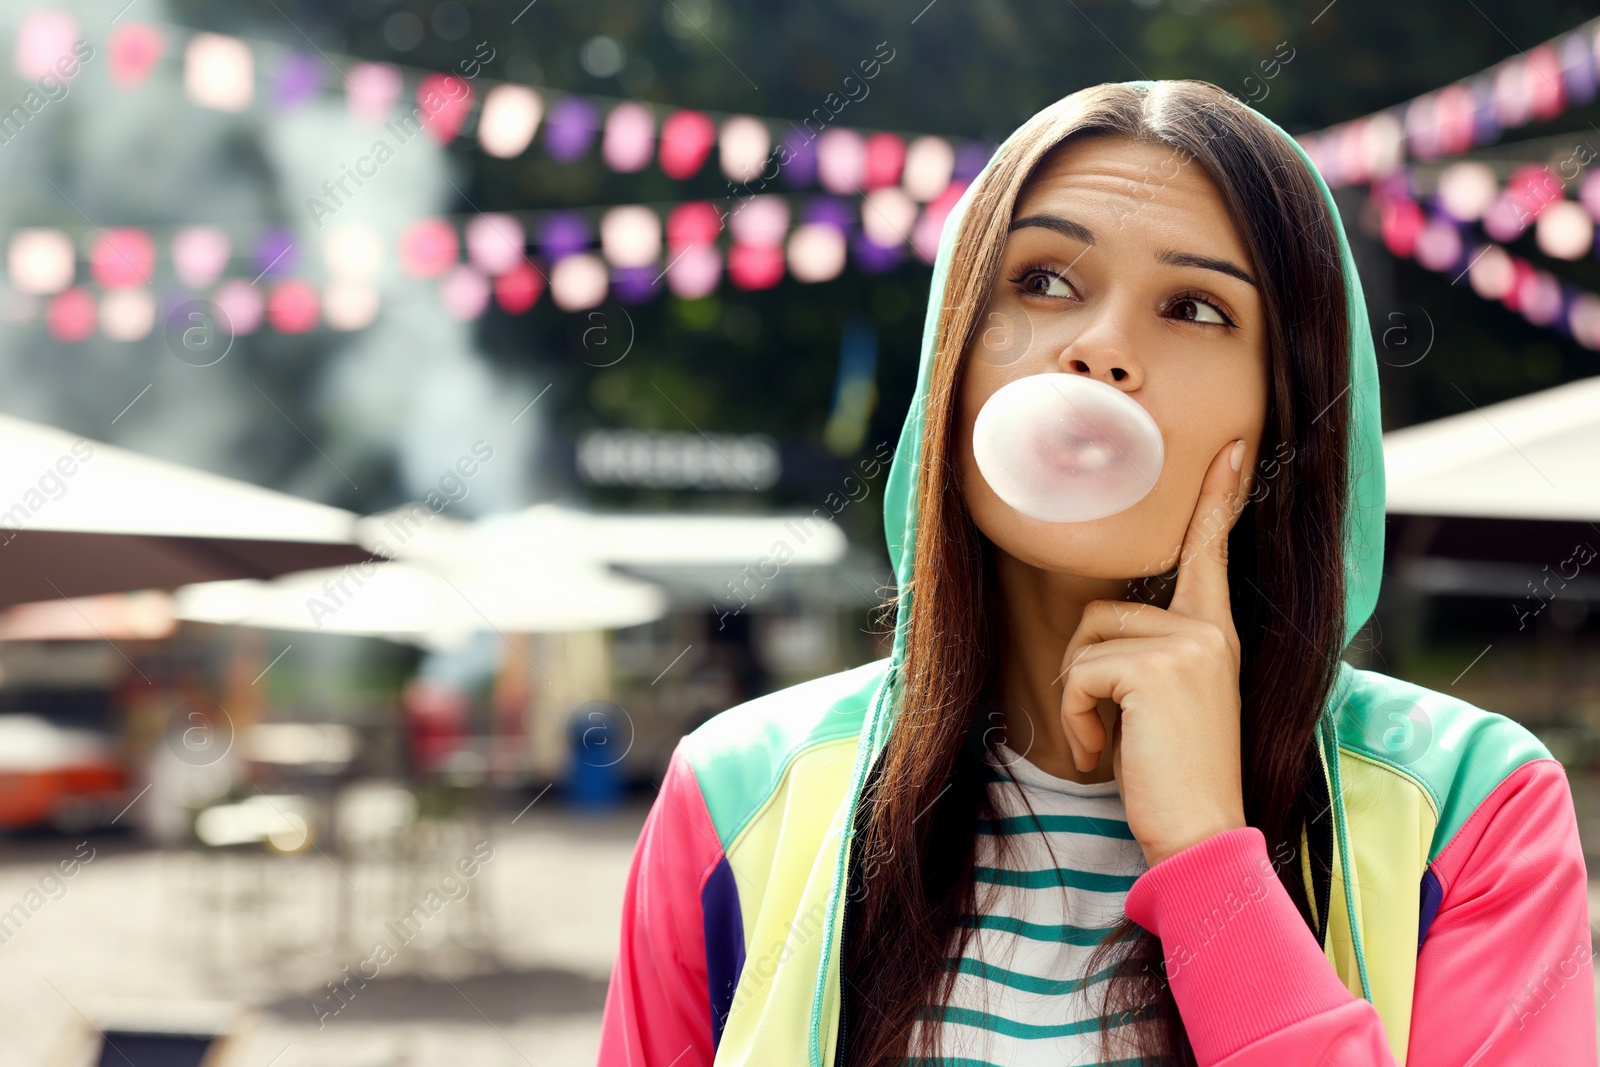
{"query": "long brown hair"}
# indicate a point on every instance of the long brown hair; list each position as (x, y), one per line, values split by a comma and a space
(920, 811)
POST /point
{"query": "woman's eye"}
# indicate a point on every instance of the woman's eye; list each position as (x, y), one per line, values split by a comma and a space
(1046, 283)
(1194, 309)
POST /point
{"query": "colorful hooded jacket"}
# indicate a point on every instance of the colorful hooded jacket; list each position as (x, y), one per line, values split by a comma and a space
(1453, 929)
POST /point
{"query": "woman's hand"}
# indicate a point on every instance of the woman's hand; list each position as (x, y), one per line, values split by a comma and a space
(1175, 674)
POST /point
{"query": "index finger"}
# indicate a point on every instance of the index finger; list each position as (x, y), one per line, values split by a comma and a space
(1202, 586)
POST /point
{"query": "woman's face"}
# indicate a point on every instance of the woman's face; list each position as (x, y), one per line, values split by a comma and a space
(1122, 265)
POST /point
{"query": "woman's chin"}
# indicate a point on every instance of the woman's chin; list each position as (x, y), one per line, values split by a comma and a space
(1138, 543)
(1091, 555)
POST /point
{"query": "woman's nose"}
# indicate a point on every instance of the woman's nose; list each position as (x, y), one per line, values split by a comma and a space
(1104, 351)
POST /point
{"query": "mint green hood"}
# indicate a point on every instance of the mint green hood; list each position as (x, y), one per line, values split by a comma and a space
(1363, 534)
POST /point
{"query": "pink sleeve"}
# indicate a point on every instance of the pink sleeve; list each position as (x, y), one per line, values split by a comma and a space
(657, 1010)
(1506, 974)
(1256, 990)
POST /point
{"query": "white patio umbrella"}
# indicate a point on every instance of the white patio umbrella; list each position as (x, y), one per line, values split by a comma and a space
(541, 569)
(412, 604)
(1533, 457)
(78, 518)
(558, 533)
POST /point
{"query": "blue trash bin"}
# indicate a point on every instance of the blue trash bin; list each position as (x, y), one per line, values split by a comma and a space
(598, 736)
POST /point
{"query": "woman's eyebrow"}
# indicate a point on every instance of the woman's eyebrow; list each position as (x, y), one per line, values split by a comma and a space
(1066, 227)
(1189, 259)
(1081, 233)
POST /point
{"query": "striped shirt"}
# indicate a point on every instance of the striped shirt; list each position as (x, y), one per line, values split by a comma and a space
(1017, 999)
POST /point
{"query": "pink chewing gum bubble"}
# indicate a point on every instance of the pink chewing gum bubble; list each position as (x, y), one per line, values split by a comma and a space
(1065, 448)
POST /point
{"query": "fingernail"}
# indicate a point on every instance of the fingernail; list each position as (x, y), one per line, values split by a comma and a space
(1236, 457)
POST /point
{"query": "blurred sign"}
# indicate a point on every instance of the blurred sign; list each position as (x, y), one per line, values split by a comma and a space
(68, 664)
(152, 1033)
(123, 1048)
(747, 462)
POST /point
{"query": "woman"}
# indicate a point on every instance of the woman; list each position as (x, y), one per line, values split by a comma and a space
(1100, 802)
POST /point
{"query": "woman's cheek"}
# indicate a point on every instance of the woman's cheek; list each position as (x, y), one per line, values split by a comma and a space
(1005, 336)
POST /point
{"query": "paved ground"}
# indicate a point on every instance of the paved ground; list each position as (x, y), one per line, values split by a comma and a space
(516, 958)
(508, 968)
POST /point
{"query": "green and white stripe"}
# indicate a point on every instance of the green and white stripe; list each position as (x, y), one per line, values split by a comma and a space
(1022, 996)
